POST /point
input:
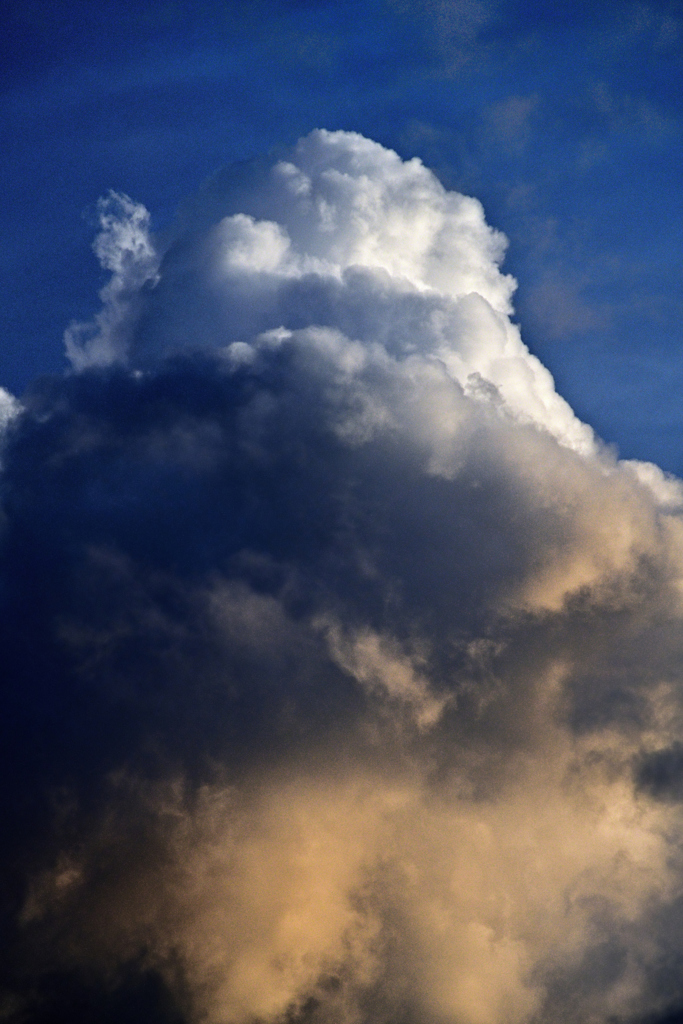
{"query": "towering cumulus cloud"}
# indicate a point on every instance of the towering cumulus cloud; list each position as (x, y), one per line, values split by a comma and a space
(343, 662)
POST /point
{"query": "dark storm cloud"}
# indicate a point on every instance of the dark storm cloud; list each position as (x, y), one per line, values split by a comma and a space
(342, 662)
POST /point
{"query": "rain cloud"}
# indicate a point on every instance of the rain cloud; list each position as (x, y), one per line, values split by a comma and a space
(342, 661)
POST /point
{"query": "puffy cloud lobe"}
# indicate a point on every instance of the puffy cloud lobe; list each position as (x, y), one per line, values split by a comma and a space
(345, 235)
(345, 663)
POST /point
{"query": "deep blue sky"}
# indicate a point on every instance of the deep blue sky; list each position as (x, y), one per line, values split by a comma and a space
(565, 120)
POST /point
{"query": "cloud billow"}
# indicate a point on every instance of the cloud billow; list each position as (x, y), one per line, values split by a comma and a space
(343, 660)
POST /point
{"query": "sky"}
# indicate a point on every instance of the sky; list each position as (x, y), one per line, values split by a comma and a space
(341, 520)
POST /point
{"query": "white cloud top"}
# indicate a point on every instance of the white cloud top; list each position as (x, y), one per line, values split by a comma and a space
(382, 251)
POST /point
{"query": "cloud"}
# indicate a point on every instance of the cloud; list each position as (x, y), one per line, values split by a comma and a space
(343, 236)
(509, 122)
(559, 309)
(123, 247)
(343, 659)
(451, 28)
(9, 408)
(615, 116)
